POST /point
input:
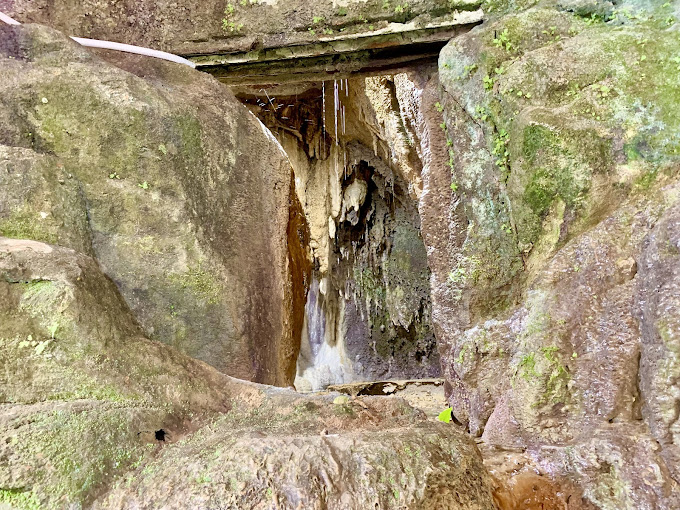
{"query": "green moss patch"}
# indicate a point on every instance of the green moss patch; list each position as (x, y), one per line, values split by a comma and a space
(26, 224)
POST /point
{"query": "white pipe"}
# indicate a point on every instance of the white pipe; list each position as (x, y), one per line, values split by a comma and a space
(8, 20)
(109, 45)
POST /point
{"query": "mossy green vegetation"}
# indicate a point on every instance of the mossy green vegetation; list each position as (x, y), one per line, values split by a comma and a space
(201, 282)
(544, 370)
(19, 499)
(27, 224)
(88, 447)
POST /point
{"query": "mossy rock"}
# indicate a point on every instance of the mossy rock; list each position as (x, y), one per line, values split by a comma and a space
(185, 207)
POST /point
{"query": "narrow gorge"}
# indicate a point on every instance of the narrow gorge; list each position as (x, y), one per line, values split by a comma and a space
(341, 254)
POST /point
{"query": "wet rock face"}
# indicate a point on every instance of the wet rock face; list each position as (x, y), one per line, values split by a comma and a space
(185, 207)
(354, 149)
(95, 415)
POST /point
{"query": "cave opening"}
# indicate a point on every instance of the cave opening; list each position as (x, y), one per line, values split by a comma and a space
(354, 145)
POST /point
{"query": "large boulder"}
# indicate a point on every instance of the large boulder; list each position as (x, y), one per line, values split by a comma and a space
(181, 195)
(96, 415)
(563, 157)
(558, 164)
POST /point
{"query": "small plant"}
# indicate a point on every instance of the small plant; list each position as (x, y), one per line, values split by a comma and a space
(595, 18)
(603, 91)
(144, 185)
(488, 82)
(470, 69)
(573, 90)
(438, 106)
(228, 25)
(549, 353)
(317, 19)
(454, 187)
(163, 149)
(386, 5)
(458, 276)
(327, 31)
(503, 41)
(482, 113)
(342, 11)
(114, 175)
(451, 160)
(527, 367)
(500, 149)
(551, 33)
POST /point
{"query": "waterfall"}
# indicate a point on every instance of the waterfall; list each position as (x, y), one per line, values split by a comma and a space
(322, 360)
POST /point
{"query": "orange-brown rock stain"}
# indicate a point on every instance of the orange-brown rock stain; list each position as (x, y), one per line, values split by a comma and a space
(299, 278)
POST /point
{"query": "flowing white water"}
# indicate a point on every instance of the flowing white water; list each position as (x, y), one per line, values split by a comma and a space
(322, 360)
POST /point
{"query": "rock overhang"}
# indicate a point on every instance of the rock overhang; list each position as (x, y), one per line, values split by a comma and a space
(270, 41)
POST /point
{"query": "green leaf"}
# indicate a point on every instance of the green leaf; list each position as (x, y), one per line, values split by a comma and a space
(41, 347)
(446, 415)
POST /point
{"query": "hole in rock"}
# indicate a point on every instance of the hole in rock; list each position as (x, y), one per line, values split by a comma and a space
(160, 435)
(356, 146)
